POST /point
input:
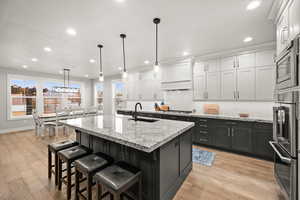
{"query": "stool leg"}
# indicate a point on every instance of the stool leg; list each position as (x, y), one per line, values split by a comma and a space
(140, 189)
(89, 186)
(56, 168)
(77, 187)
(68, 180)
(49, 163)
(59, 173)
(116, 196)
(99, 191)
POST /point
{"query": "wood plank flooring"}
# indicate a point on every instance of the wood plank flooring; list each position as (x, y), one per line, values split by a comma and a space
(23, 174)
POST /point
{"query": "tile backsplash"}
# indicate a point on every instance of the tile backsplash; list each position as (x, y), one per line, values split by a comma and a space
(255, 109)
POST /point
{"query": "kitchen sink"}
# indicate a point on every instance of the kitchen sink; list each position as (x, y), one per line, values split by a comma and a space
(145, 120)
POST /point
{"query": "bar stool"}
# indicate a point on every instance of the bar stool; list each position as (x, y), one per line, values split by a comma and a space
(117, 179)
(54, 148)
(69, 156)
(88, 166)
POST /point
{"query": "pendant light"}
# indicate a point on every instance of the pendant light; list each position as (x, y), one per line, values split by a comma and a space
(156, 21)
(66, 88)
(124, 75)
(101, 77)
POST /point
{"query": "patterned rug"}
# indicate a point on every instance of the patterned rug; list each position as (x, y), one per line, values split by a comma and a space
(203, 157)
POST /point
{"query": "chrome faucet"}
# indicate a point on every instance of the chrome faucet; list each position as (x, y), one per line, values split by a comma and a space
(135, 110)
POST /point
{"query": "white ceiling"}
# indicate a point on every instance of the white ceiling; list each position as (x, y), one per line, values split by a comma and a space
(196, 26)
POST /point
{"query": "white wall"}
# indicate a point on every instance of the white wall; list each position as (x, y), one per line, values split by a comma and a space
(23, 124)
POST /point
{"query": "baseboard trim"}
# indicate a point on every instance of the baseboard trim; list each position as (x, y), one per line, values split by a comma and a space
(11, 130)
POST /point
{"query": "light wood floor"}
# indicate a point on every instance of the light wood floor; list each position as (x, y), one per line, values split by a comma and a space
(23, 174)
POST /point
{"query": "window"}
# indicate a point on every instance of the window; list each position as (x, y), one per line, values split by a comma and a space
(99, 95)
(56, 99)
(22, 97)
(118, 91)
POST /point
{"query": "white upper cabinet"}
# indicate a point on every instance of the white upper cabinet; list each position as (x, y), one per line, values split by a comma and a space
(265, 83)
(213, 65)
(294, 17)
(264, 58)
(245, 84)
(199, 85)
(282, 31)
(213, 86)
(177, 72)
(228, 82)
(227, 63)
(246, 60)
(199, 68)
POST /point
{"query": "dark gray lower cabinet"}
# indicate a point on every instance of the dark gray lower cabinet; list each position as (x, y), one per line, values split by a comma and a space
(185, 151)
(221, 135)
(241, 136)
(262, 134)
(169, 165)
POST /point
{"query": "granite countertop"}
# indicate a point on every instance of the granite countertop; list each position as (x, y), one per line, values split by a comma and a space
(144, 136)
(211, 116)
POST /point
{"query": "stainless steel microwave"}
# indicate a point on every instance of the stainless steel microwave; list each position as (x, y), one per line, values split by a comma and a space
(287, 66)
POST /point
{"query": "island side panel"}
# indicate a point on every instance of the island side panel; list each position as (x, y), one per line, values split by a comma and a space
(175, 164)
(147, 162)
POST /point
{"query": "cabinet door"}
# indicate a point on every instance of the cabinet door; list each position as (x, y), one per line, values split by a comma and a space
(228, 85)
(185, 150)
(227, 63)
(242, 138)
(282, 31)
(213, 85)
(199, 68)
(132, 90)
(294, 17)
(246, 60)
(264, 58)
(221, 135)
(199, 87)
(245, 84)
(213, 65)
(169, 165)
(265, 83)
(261, 138)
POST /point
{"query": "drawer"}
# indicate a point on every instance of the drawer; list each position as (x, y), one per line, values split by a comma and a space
(265, 126)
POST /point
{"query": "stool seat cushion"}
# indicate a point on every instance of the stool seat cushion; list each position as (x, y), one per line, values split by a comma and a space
(115, 177)
(91, 163)
(73, 153)
(62, 145)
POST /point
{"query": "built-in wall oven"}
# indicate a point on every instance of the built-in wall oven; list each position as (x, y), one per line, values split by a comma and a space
(284, 144)
(287, 70)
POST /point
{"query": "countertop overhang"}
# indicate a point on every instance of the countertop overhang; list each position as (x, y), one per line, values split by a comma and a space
(144, 136)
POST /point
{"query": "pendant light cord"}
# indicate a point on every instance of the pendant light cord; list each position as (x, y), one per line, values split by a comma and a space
(123, 43)
(156, 39)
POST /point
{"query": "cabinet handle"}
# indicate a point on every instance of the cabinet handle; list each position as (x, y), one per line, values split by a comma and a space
(203, 132)
(238, 94)
(228, 132)
(232, 132)
(202, 125)
(234, 94)
(202, 120)
(203, 140)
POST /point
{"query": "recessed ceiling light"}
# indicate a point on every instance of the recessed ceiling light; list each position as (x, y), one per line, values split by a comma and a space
(120, 68)
(61, 71)
(185, 53)
(24, 66)
(253, 4)
(47, 49)
(92, 61)
(146, 62)
(248, 39)
(120, 1)
(34, 59)
(71, 31)
(86, 75)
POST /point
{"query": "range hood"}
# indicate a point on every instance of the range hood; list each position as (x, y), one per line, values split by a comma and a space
(177, 85)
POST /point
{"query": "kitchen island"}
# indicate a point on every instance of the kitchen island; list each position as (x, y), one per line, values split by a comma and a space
(161, 148)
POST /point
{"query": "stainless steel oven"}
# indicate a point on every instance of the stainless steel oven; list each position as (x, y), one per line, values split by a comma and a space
(285, 126)
(287, 66)
(285, 168)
